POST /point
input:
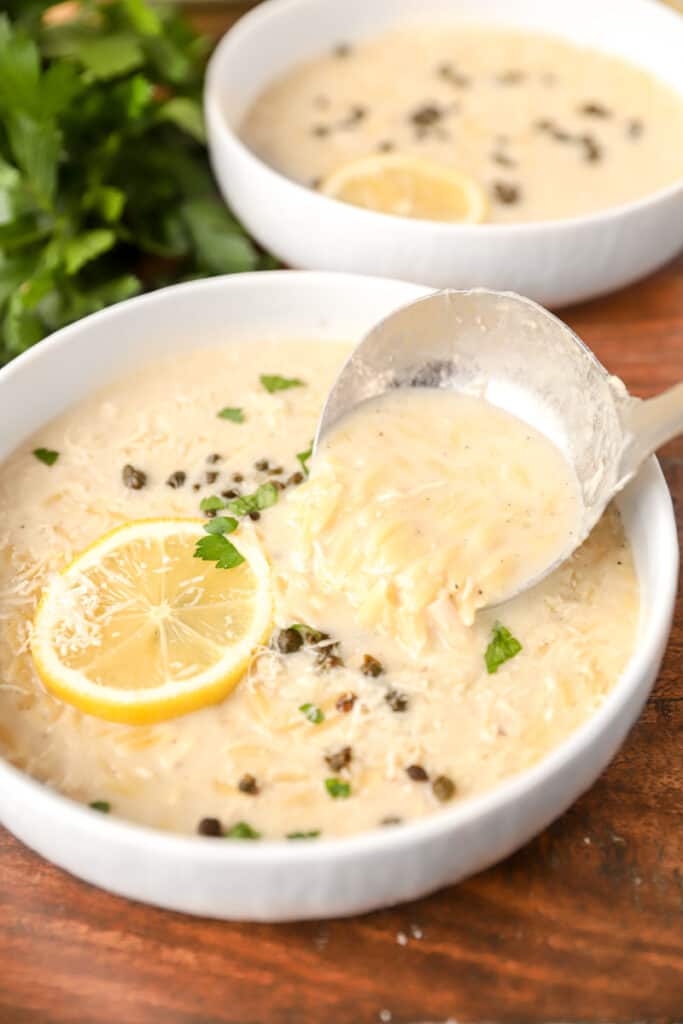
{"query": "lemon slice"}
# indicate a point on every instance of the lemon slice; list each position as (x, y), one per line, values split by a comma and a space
(407, 186)
(136, 629)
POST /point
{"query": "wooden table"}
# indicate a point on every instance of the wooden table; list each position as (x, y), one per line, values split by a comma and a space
(583, 924)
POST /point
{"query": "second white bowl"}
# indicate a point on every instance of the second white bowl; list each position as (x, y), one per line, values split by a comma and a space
(554, 262)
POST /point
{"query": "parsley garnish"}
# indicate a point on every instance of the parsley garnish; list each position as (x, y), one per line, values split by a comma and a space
(264, 497)
(338, 789)
(46, 455)
(502, 647)
(272, 382)
(242, 831)
(312, 713)
(103, 164)
(211, 504)
(216, 548)
(303, 457)
(103, 806)
(235, 415)
(221, 524)
(303, 835)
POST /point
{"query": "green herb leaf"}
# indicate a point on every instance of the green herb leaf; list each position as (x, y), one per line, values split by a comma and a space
(186, 114)
(303, 457)
(218, 549)
(20, 62)
(35, 144)
(220, 246)
(264, 497)
(235, 415)
(107, 201)
(312, 713)
(338, 789)
(242, 831)
(142, 17)
(88, 246)
(502, 647)
(211, 504)
(101, 805)
(221, 525)
(272, 383)
(110, 55)
(46, 455)
(310, 635)
(103, 164)
(303, 835)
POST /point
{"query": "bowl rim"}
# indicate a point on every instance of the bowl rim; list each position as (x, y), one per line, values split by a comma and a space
(372, 842)
(254, 21)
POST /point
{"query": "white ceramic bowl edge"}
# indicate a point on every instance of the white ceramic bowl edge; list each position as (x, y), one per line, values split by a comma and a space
(278, 881)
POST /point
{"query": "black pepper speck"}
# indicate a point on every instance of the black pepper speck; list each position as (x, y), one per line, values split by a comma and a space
(505, 192)
(443, 788)
(248, 784)
(371, 666)
(593, 109)
(340, 759)
(398, 702)
(210, 827)
(133, 478)
(287, 641)
(176, 479)
(345, 702)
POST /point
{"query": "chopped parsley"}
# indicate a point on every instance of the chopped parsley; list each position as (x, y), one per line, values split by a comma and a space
(242, 831)
(217, 548)
(303, 457)
(303, 835)
(338, 789)
(502, 647)
(308, 633)
(46, 455)
(312, 713)
(272, 382)
(265, 496)
(235, 415)
(221, 524)
(103, 806)
(211, 504)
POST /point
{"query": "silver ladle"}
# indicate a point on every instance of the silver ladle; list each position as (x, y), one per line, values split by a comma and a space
(510, 351)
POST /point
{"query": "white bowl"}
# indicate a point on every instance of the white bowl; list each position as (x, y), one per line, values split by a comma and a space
(279, 881)
(554, 262)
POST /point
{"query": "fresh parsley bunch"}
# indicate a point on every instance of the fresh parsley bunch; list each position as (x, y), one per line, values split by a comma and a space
(105, 187)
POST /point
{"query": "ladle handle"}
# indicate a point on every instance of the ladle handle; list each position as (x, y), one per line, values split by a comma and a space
(648, 425)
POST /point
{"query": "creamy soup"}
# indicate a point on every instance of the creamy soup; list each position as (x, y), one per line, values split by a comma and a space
(549, 130)
(380, 706)
(426, 503)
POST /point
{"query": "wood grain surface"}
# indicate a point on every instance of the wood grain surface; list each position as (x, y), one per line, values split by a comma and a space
(585, 923)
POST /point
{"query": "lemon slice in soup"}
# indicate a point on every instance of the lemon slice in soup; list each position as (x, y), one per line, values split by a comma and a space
(138, 629)
(408, 186)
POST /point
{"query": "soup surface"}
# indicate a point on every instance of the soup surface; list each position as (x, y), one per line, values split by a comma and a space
(548, 129)
(403, 707)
